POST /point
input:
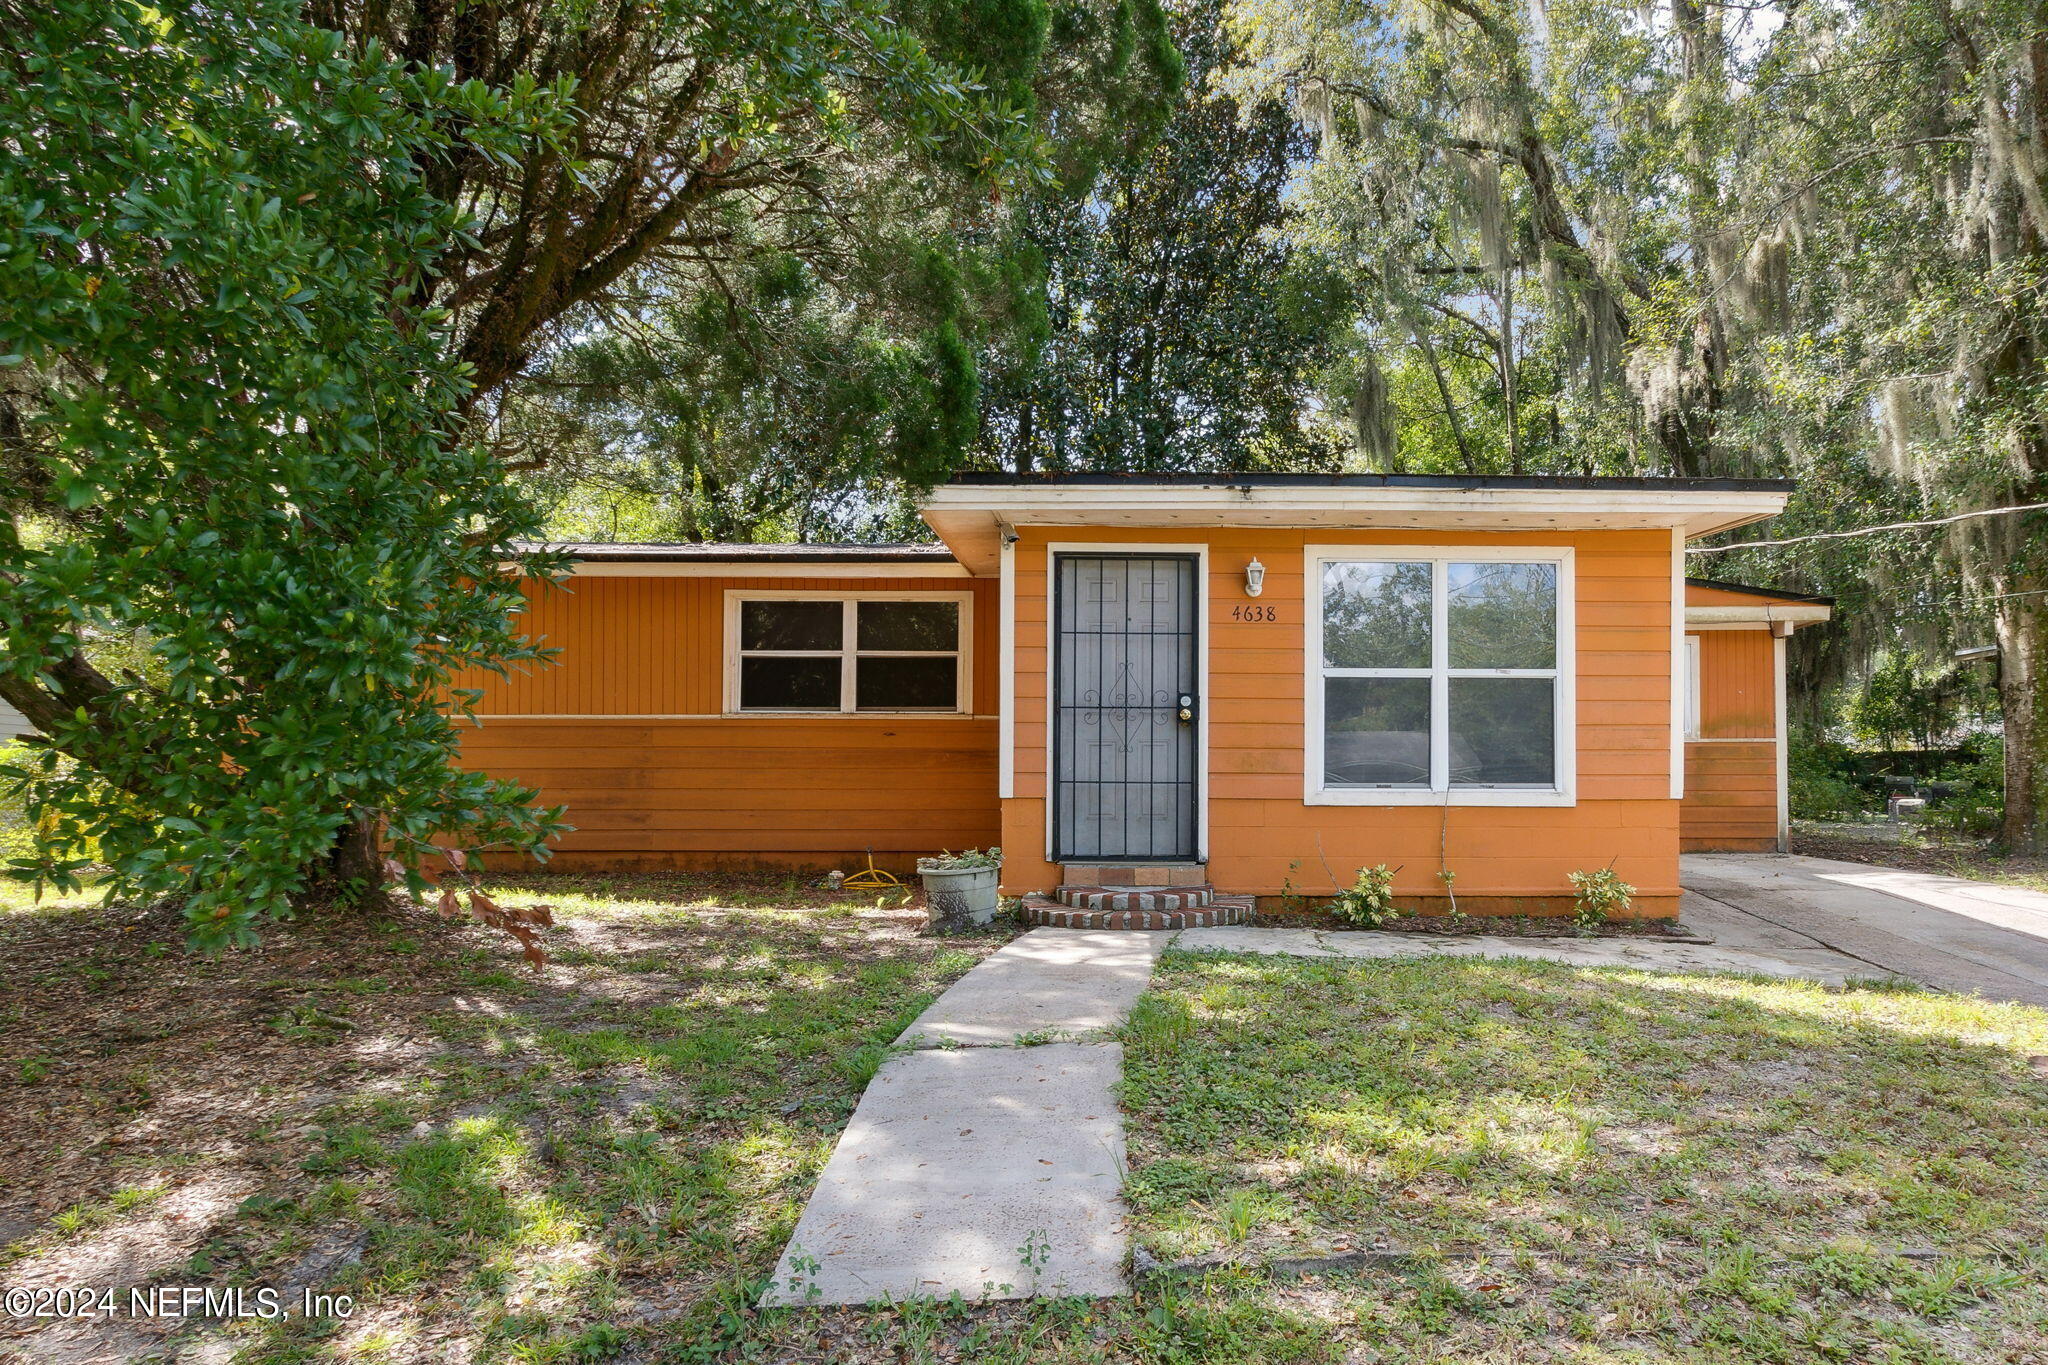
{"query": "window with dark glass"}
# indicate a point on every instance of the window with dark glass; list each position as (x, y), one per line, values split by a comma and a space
(849, 654)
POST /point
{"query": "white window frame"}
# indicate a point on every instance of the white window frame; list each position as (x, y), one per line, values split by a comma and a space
(849, 651)
(1692, 687)
(1439, 792)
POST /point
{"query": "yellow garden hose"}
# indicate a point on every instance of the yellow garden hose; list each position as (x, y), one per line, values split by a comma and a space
(871, 878)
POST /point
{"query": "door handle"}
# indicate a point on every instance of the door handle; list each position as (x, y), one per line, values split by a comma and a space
(1187, 707)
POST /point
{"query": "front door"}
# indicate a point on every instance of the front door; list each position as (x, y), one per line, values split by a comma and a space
(1126, 767)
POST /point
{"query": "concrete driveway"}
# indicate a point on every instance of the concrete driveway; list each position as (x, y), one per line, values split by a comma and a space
(1945, 932)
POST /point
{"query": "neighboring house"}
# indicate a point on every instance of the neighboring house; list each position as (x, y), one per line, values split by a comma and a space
(1283, 678)
(13, 724)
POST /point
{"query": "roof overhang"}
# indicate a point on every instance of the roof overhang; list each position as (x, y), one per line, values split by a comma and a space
(1788, 616)
(644, 560)
(971, 517)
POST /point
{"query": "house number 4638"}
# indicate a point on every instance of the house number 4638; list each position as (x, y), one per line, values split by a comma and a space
(1254, 611)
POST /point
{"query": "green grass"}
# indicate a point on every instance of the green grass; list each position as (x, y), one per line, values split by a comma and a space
(1593, 1167)
(552, 1168)
(1644, 1166)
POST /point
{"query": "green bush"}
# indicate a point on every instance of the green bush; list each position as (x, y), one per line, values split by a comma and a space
(1977, 807)
(1819, 777)
(1601, 896)
(1369, 902)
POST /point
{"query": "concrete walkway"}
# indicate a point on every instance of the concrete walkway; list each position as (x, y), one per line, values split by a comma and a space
(977, 1165)
(987, 1156)
(1945, 932)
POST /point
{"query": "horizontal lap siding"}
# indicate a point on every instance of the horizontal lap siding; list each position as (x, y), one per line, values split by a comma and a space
(655, 646)
(1263, 838)
(659, 779)
(1731, 781)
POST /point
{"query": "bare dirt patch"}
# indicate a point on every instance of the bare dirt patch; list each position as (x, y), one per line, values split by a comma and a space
(399, 1108)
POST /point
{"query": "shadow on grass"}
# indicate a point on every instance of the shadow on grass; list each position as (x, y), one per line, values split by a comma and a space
(1762, 1157)
(493, 1164)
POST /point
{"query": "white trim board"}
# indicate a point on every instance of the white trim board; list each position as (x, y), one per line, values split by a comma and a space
(1006, 660)
(1200, 551)
(615, 568)
(1798, 613)
(1678, 703)
(1564, 694)
(1783, 751)
(966, 516)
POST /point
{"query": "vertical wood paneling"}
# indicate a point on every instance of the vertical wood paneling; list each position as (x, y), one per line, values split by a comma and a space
(1737, 694)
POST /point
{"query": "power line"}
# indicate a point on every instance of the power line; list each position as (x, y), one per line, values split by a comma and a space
(1864, 531)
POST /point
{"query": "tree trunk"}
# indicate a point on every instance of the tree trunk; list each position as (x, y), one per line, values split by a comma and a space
(2023, 700)
(353, 872)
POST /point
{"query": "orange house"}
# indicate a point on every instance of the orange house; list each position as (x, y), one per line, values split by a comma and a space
(1264, 682)
(1735, 729)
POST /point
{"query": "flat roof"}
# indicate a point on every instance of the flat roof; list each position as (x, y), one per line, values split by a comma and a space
(692, 552)
(973, 511)
(1261, 479)
(1776, 594)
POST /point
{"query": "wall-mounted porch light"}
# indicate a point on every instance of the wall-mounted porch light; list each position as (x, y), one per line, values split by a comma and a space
(1254, 578)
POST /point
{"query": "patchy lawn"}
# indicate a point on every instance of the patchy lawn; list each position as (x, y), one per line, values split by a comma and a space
(1920, 850)
(602, 1159)
(1503, 1161)
(1592, 1166)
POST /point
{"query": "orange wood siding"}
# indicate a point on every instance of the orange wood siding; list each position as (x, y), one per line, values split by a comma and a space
(1731, 798)
(1738, 688)
(655, 646)
(625, 729)
(1264, 839)
(1731, 771)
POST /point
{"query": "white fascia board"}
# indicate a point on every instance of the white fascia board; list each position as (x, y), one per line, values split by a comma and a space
(1762, 614)
(622, 568)
(964, 515)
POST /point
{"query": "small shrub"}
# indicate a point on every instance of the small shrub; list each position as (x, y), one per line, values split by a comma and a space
(1369, 902)
(967, 860)
(1602, 896)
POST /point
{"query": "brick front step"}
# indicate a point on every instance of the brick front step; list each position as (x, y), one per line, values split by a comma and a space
(1136, 897)
(1136, 874)
(1044, 912)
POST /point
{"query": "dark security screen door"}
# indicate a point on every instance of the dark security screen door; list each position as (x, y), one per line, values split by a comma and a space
(1125, 766)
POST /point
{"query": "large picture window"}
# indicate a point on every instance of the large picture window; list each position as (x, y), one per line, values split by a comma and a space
(847, 653)
(1439, 675)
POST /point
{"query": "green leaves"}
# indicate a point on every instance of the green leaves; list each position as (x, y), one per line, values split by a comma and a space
(243, 558)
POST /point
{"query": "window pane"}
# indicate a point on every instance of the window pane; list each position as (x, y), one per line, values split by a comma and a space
(910, 625)
(1376, 732)
(789, 684)
(1376, 615)
(902, 684)
(790, 625)
(1503, 615)
(1503, 732)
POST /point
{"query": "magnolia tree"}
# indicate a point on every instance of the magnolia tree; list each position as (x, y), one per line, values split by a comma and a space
(227, 432)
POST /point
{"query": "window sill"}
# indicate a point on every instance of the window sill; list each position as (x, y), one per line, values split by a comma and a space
(1360, 796)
